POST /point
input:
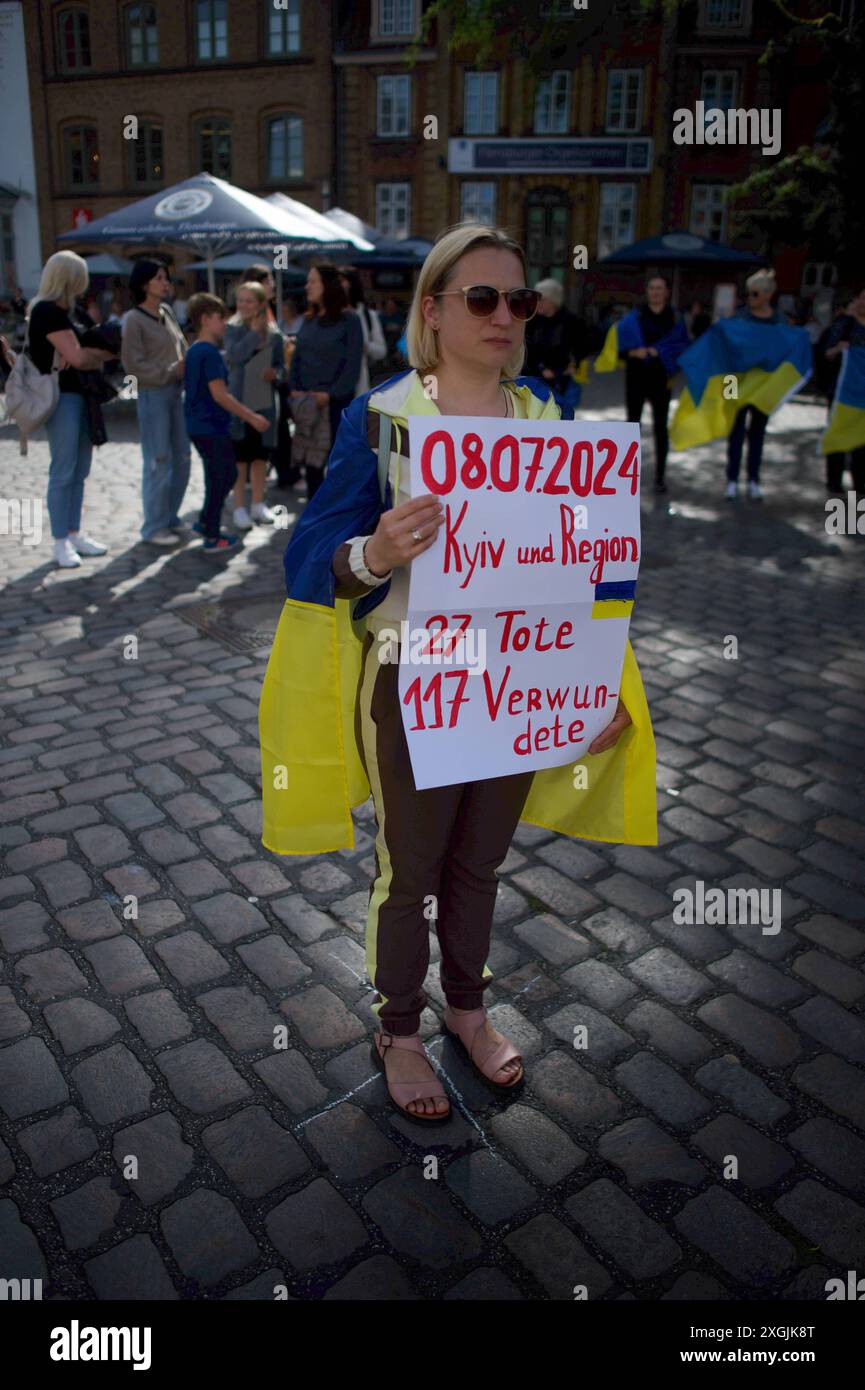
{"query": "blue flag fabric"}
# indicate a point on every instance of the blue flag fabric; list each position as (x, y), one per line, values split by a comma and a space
(733, 346)
(846, 428)
(628, 334)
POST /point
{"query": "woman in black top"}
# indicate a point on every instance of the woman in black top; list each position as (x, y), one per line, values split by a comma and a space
(55, 324)
(327, 354)
(646, 376)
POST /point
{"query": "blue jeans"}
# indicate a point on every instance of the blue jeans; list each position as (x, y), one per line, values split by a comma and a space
(756, 430)
(165, 450)
(220, 474)
(71, 453)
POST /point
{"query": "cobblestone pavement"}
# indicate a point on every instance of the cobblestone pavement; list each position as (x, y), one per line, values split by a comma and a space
(152, 1039)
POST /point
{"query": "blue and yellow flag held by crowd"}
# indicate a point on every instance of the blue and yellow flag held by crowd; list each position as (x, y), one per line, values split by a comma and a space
(628, 334)
(846, 427)
(769, 360)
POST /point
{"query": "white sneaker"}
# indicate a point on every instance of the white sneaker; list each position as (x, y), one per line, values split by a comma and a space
(755, 491)
(164, 537)
(261, 512)
(65, 554)
(731, 491)
(86, 545)
(242, 519)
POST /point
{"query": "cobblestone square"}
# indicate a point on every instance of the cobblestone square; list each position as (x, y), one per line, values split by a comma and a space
(155, 1145)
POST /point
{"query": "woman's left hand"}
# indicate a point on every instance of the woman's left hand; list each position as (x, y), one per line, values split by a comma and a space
(613, 731)
(269, 374)
(321, 397)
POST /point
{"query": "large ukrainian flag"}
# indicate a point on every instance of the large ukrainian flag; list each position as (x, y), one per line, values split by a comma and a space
(628, 333)
(312, 773)
(846, 427)
(769, 361)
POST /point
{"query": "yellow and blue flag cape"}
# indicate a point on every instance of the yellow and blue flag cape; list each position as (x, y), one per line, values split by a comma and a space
(769, 360)
(846, 427)
(311, 770)
(628, 333)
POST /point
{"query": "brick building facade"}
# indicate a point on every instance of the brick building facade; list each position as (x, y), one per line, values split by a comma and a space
(234, 87)
(319, 100)
(582, 155)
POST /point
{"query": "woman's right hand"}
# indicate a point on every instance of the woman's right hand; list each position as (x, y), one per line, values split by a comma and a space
(259, 422)
(392, 543)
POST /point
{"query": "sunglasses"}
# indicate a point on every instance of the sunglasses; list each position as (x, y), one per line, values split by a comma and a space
(483, 300)
(754, 294)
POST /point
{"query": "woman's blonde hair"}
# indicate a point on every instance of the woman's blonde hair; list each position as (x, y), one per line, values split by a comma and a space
(64, 277)
(761, 280)
(258, 290)
(449, 246)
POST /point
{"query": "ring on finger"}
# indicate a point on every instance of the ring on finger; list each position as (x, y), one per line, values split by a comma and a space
(416, 535)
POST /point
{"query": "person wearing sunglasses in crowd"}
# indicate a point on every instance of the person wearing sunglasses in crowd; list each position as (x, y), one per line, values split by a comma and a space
(759, 291)
(466, 333)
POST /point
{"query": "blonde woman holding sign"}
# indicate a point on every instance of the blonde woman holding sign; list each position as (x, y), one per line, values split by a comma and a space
(331, 720)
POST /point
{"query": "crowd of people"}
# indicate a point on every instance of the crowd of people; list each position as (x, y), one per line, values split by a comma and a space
(227, 383)
(263, 387)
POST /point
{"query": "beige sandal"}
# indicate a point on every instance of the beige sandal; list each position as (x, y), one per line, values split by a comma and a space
(402, 1092)
(464, 1032)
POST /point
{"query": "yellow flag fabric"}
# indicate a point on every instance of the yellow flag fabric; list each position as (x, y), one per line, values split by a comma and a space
(845, 431)
(714, 417)
(607, 359)
(311, 770)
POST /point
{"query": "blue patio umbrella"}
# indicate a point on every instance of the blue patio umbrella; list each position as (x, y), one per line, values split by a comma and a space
(210, 215)
(385, 250)
(239, 261)
(106, 264)
(680, 248)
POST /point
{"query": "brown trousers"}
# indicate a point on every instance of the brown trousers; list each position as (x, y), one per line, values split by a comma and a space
(441, 846)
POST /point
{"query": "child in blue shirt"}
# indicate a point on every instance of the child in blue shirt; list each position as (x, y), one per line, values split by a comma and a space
(208, 408)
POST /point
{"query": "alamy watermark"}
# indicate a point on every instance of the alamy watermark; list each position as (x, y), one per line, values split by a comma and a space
(21, 516)
(728, 906)
(713, 125)
(465, 647)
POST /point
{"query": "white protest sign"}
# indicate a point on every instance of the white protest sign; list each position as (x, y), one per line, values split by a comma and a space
(508, 663)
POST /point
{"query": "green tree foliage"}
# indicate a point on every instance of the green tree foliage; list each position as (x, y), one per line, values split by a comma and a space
(815, 194)
(544, 33)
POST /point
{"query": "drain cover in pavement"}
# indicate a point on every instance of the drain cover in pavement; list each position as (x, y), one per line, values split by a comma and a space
(242, 625)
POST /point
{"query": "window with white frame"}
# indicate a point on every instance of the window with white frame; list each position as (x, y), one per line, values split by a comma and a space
(81, 156)
(395, 17)
(478, 203)
(393, 105)
(708, 211)
(616, 216)
(284, 148)
(211, 30)
(213, 146)
(625, 99)
(283, 28)
(73, 40)
(718, 89)
(481, 103)
(553, 104)
(723, 14)
(393, 208)
(146, 168)
(142, 46)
